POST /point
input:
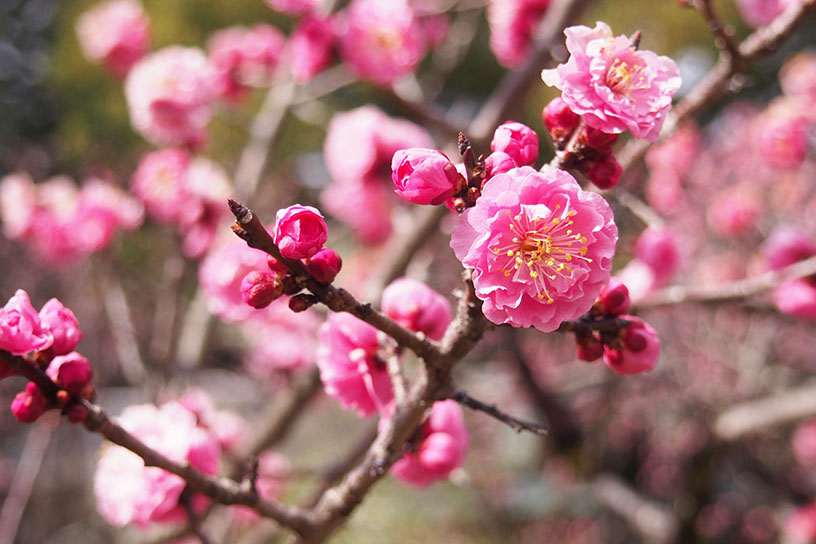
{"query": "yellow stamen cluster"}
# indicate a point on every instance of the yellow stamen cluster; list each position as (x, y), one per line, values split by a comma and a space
(622, 77)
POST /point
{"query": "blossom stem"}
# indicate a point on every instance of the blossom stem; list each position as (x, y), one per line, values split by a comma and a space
(514, 423)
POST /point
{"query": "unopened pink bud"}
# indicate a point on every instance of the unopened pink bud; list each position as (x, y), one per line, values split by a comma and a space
(498, 162)
(276, 266)
(424, 176)
(614, 298)
(300, 231)
(76, 413)
(597, 139)
(588, 348)
(71, 372)
(517, 140)
(604, 173)
(302, 302)
(416, 306)
(641, 348)
(259, 289)
(29, 405)
(560, 120)
(63, 325)
(325, 265)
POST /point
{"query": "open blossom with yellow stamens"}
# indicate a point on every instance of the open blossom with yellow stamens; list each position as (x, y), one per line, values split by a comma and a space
(540, 247)
(613, 85)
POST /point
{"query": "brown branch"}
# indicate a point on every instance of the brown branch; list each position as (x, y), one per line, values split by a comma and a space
(736, 290)
(514, 423)
(723, 34)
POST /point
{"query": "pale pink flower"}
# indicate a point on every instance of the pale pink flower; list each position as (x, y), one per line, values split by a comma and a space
(349, 369)
(169, 95)
(229, 428)
(159, 182)
(63, 325)
(293, 7)
(612, 85)
(660, 250)
(787, 245)
(220, 276)
(512, 26)
(441, 448)
(127, 492)
(541, 248)
(517, 140)
(115, 34)
(803, 444)
(300, 231)
(382, 41)
(782, 132)
(18, 197)
(416, 306)
(734, 211)
(796, 297)
(21, 330)
(358, 149)
(800, 527)
(759, 13)
(71, 372)
(641, 348)
(102, 208)
(311, 47)
(283, 341)
(244, 57)
(424, 176)
(28, 405)
(798, 76)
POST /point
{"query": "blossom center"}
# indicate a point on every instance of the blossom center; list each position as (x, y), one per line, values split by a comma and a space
(540, 250)
(622, 77)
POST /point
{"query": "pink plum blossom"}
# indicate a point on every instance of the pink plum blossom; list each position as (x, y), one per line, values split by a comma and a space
(71, 372)
(159, 182)
(127, 492)
(660, 250)
(512, 26)
(293, 7)
(641, 348)
(28, 405)
(517, 140)
(782, 133)
(382, 41)
(300, 231)
(63, 325)
(18, 199)
(324, 265)
(311, 47)
(424, 176)
(244, 57)
(800, 527)
(416, 306)
(612, 85)
(560, 120)
(220, 276)
(803, 444)
(786, 245)
(284, 341)
(115, 34)
(796, 297)
(759, 13)
(21, 330)
(169, 95)
(358, 149)
(735, 211)
(541, 248)
(441, 449)
(798, 76)
(349, 369)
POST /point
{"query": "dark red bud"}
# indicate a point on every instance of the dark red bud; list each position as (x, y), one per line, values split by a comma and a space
(324, 265)
(76, 413)
(604, 173)
(302, 302)
(259, 289)
(614, 298)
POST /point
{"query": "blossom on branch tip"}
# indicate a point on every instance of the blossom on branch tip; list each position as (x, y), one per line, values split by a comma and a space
(416, 306)
(613, 85)
(640, 351)
(63, 325)
(517, 140)
(259, 288)
(541, 247)
(300, 231)
(115, 34)
(424, 176)
(71, 372)
(349, 367)
(441, 449)
(21, 330)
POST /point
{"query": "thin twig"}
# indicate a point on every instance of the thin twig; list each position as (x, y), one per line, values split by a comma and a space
(723, 34)
(514, 423)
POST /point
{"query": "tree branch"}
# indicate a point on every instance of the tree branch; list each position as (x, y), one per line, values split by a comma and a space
(514, 423)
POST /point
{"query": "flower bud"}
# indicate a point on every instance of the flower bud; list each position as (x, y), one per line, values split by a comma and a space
(588, 348)
(416, 306)
(276, 266)
(76, 413)
(29, 405)
(71, 372)
(324, 265)
(641, 348)
(517, 140)
(604, 173)
(597, 139)
(424, 176)
(259, 289)
(560, 120)
(302, 302)
(63, 325)
(614, 298)
(498, 162)
(300, 231)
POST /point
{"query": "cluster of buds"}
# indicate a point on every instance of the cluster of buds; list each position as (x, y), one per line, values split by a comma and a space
(45, 341)
(587, 149)
(299, 232)
(627, 344)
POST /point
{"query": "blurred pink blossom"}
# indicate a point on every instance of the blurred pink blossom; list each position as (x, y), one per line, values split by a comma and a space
(660, 250)
(512, 26)
(798, 76)
(311, 47)
(796, 297)
(127, 492)
(803, 444)
(244, 57)
(349, 369)
(293, 7)
(612, 85)
(800, 527)
(382, 41)
(441, 449)
(169, 95)
(759, 13)
(786, 245)
(555, 272)
(221, 273)
(115, 34)
(416, 306)
(283, 341)
(734, 212)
